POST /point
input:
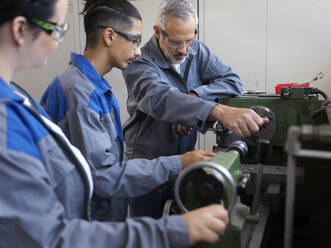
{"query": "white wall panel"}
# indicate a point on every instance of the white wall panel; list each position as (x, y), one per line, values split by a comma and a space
(299, 42)
(271, 41)
(236, 31)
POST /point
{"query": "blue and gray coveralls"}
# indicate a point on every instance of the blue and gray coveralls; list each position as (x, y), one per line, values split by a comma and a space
(158, 97)
(83, 105)
(45, 190)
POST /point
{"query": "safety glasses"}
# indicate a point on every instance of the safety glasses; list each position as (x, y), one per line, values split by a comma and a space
(177, 43)
(52, 28)
(133, 38)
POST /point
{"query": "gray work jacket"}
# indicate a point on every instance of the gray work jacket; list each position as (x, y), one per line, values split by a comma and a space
(78, 101)
(43, 194)
(158, 97)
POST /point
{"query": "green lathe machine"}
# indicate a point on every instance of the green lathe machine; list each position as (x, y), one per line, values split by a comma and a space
(274, 184)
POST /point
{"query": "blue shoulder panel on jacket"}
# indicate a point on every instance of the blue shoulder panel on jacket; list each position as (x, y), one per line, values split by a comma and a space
(55, 101)
(23, 131)
(99, 104)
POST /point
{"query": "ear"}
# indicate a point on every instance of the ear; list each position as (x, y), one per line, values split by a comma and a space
(157, 31)
(18, 27)
(108, 36)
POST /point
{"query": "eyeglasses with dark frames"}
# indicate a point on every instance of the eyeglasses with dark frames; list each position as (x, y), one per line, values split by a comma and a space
(177, 43)
(135, 39)
(59, 31)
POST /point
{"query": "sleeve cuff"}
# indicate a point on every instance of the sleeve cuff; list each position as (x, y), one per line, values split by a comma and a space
(177, 229)
(203, 123)
(199, 92)
(176, 166)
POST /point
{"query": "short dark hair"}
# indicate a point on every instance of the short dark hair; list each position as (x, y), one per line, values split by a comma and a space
(114, 13)
(31, 9)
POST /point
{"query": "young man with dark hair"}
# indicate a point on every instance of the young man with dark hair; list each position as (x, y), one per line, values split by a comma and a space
(81, 102)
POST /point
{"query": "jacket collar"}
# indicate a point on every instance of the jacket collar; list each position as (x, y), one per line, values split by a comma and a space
(101, 85)
(7, 92)
(153, 51)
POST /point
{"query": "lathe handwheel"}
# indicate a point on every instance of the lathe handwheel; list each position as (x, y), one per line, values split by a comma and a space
(220, 169)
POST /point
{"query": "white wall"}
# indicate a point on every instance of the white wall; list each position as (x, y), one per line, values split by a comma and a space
(265, 42)
(271, 41)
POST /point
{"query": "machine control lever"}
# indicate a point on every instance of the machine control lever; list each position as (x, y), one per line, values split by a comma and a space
(262, 149)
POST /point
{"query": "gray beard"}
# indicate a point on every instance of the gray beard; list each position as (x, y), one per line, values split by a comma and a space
(172, 60)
